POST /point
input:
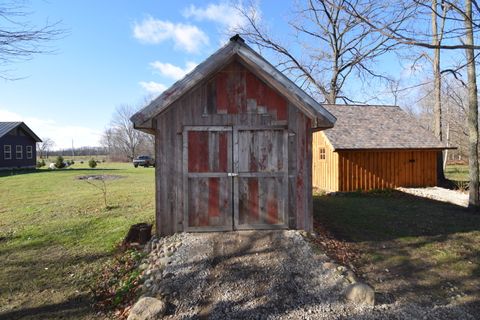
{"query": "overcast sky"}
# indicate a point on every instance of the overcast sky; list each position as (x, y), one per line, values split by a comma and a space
(116, 52)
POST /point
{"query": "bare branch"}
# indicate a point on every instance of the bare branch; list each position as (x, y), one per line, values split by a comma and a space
(19, 40)
(329, 45)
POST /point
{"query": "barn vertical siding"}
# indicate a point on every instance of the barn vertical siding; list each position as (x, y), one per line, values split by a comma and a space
(234, 96)
(300, 174)
(325, 171)
(368, 170)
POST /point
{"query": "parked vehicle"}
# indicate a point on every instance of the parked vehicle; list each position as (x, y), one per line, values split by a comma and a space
(144, 161)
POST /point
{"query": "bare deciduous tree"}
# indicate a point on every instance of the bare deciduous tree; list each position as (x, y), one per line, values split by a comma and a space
(473, 199)
(19, 40)
(125, 137)
(121, 141)
(107, 140)
(44, 147)
(327, 48)
(395, 22)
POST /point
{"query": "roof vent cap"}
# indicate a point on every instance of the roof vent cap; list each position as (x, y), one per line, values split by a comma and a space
(237, 38)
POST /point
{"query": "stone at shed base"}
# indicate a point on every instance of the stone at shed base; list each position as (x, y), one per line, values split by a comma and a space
(147, 308)
(360, 293)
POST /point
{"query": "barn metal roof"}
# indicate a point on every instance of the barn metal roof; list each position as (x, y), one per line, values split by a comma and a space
(378, 127)
(261, 67)
(6, 127)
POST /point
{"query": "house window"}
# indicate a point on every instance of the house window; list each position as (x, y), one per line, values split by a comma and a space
(29, 152)
(7, 152)
(322, 154)
(19, 152)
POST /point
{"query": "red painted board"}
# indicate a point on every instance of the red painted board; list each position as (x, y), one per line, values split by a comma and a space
(198, 151)
(272, 210)
(223, 152)
(213, 198)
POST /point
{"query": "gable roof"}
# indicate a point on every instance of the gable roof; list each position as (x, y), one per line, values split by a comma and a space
(378, 127)
(6, 127)
(261, 67)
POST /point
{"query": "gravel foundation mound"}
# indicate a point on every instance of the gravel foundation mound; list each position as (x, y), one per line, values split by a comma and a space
(260, 275)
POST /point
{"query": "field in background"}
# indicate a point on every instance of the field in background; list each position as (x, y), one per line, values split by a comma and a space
(457, 172)
(55, 234)
(76, 158)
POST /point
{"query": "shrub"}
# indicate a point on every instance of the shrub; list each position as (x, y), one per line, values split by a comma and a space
(72, 162)
(81, 161)
(41, 163)
(59, 163)
(92, 163)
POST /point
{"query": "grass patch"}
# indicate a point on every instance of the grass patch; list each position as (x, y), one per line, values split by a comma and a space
(411, 247)
(56, 234)
(457, 172)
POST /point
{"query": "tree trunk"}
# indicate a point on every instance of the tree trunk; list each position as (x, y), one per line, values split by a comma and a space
(437, 87)
(473, 197)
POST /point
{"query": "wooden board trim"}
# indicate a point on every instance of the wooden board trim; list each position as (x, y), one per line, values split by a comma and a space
(260, 226)
(207, 128)
(207, 174)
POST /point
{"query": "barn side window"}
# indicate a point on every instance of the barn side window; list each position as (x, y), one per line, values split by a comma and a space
(19, 152)
(29, 152)
(7, 152)
(322, 154)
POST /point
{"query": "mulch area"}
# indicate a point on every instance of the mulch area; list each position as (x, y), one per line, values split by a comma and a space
(341, 251)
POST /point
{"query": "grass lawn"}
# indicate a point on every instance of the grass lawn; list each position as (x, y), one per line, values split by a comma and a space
(457, 172)
(415, 249)
(55, 234)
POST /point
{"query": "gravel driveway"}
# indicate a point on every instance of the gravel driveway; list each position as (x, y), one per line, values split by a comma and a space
(440, 194)
(261, 275)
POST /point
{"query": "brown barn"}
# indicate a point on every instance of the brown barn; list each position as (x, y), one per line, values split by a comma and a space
(374, 147)
(233, 146)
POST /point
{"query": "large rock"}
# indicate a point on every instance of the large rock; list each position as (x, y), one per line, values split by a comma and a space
(147, 308)
(360, 293)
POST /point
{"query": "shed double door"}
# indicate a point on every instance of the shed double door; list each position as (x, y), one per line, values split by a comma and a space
(235, 178)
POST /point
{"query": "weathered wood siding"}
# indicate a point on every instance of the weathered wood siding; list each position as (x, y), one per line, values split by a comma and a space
(233, 97)
(367, 170)
(325, 171)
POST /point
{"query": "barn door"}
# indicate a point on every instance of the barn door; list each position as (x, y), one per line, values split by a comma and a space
(261, 183)
(207, 164)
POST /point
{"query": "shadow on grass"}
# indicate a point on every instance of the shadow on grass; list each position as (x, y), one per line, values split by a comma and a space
(414, 248)
(386, 216)
(29, 279)
(73, 308)
(8, 173)
(452, 184)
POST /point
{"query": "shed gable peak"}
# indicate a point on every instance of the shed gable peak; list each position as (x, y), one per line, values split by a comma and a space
(235, 49)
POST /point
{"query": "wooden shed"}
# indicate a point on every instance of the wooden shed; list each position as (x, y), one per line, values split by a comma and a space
(374, 147)
(233, 146)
